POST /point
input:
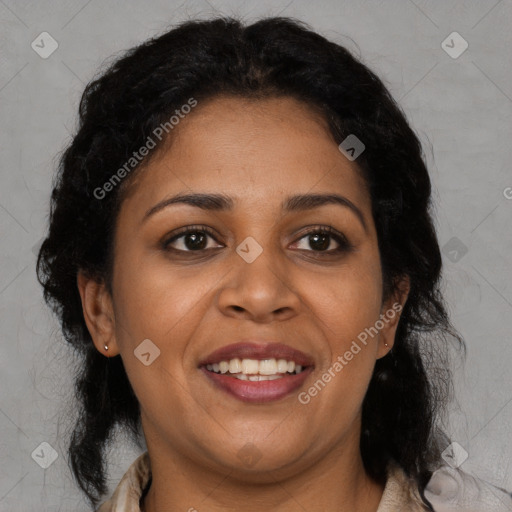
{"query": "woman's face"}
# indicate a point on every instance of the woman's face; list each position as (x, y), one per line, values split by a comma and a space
(257, 277)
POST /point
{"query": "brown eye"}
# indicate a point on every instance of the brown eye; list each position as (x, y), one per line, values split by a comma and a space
(324, 240)
(195, 240)
(190, 239)
(320, 241)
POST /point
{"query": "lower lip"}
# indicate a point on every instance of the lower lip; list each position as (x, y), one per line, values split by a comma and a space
(258, 391)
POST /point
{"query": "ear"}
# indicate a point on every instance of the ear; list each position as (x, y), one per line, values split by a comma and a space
(390, 316)
(98, 313)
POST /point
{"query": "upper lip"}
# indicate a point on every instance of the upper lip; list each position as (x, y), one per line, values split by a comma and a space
(259, 350)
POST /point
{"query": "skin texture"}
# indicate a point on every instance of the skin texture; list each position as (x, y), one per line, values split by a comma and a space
(259, 152)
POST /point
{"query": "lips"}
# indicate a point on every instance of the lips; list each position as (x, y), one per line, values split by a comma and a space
(247, 381)
(258, 392)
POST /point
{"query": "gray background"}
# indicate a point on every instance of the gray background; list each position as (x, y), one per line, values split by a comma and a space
(461, 109)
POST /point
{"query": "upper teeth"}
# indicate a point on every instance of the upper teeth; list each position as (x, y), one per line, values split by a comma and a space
(255, 366)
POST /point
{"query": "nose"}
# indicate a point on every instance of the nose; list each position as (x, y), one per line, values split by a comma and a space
(261, 291)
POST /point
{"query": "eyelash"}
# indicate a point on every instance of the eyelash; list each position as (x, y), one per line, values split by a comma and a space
(344, 244)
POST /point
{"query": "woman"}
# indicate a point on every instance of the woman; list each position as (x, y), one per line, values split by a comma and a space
(242, 252)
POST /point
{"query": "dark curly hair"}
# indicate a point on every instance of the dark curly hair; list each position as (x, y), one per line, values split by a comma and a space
(411, 386)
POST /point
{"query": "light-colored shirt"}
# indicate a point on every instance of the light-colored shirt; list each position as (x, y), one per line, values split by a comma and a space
(449, 490)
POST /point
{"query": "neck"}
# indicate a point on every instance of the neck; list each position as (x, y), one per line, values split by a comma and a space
(337, 482)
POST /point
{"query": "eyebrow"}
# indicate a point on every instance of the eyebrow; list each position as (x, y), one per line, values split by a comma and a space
(221, 202)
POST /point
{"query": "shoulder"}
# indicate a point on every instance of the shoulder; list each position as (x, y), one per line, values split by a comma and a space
(453, 490)
(127, 495)
(400, 492)
(448, 490)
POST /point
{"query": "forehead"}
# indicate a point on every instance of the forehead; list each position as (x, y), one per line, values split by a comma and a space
(252, 150)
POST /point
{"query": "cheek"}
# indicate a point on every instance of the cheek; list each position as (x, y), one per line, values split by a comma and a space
(157, 301)
(339, 389)
(154, 302)
(346, 306)
(160, 305)
(348, 303)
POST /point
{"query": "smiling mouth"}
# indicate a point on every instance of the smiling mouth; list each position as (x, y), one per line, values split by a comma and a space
(257, 381)
(255, 370)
